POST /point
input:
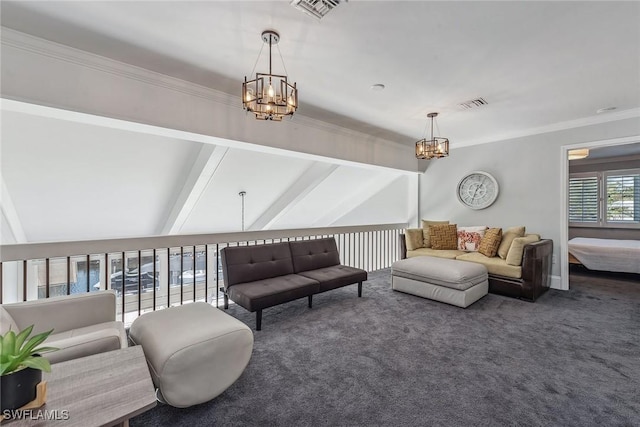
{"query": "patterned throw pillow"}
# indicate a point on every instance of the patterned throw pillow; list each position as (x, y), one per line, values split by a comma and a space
(443, 236)
(490, 242)
(469, 238)
(507, 238)
(425, 231)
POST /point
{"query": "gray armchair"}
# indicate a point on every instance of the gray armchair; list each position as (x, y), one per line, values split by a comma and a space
(82, 324)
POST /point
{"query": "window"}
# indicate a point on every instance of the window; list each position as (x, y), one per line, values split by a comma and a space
(605, 199)
(583, 199)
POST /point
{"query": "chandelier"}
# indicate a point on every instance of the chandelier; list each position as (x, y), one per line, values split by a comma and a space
(435, 147)
(269, 96)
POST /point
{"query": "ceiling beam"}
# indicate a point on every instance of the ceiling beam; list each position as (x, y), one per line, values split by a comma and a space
(11, 215)
(306, 183)
(202, 170)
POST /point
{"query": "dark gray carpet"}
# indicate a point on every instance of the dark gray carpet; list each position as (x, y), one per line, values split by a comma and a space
(391, 359)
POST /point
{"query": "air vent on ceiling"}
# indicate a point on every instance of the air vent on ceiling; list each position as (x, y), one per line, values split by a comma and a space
(474, 103)
(316, 8)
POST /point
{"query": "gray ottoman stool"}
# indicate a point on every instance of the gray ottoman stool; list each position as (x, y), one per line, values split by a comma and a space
(455, 282)
(194, 351)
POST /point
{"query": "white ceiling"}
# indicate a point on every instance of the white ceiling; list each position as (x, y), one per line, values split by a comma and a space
(536, 63)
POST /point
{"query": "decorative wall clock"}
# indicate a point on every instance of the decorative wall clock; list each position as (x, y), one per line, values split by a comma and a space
(477, 190)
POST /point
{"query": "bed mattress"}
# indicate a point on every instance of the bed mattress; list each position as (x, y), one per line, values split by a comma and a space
(607, 254)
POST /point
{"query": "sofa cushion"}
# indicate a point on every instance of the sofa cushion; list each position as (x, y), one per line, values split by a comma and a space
(314, 254)
(335, 276)
(516, 251)
(443, 236)
(273, 291)
(469, 237)
(507, 238)
(86, 341)
(414, 238)
(450, 254)
(490, 242)
(495, 265)
(250, 263)
(442, 272)
(425, 231)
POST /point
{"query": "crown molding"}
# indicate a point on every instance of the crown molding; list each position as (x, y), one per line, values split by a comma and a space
(560, 126)
(33, 44)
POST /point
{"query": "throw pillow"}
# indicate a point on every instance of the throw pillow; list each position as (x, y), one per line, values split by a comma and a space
(413, 238)
(490, 242)
(443, 236)
(469, 238)
(514, 257)
(507, 239)
(425, 231)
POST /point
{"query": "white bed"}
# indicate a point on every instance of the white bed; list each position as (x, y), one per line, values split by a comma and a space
(607, 254)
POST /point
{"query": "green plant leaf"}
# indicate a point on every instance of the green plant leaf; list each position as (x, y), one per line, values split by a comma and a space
(37, 363)
(42, 350)
(36, 340)
(16, 353)
(12, 363)
(22, 337)
(9, 344)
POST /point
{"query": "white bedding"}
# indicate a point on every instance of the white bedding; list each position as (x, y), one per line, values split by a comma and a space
(607, 254)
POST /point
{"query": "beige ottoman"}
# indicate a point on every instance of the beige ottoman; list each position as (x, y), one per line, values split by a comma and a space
(455, 282)
(194, 351)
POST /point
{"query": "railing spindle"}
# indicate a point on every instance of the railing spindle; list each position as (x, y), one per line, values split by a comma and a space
(24, 280)
(47, 281)
(123, 266)
(155, 277)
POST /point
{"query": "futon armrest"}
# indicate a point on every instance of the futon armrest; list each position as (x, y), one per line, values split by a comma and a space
(64, 313)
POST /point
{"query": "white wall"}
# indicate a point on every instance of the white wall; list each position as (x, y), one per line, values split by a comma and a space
(528, 171)
(389, 205)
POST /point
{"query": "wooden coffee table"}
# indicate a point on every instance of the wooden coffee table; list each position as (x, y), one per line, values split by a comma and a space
(105, 389)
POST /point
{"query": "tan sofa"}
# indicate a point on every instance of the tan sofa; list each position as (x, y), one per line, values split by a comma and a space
(82, 324)
(526, 281)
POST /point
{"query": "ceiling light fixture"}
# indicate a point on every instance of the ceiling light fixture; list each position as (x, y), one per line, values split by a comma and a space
(269, 96)
(436, 147)
(578, 153)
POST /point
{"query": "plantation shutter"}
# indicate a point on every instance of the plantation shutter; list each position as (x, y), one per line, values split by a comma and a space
(623, 198)
(583, 199)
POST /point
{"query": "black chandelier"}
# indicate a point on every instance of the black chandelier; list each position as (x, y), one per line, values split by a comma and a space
(270, 96)
(433, 148)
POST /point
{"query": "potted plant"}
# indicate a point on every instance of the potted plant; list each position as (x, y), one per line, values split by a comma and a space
(21, 366)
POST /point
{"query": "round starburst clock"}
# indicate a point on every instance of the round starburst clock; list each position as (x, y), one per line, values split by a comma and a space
(477, 190)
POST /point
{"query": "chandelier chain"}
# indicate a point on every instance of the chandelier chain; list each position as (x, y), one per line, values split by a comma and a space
(257, 59)
(286, 73)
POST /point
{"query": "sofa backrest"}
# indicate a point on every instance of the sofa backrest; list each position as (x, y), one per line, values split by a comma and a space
(241, 264)
(314, 254)
(80, 310)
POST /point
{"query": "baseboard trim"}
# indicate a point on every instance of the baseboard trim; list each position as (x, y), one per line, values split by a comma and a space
(556, 283)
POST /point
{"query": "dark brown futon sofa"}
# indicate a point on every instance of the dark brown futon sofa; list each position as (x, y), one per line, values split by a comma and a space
(262, 276)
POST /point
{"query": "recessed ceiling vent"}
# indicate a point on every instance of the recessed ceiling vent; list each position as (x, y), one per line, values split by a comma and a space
(316, 8)
(474, 103)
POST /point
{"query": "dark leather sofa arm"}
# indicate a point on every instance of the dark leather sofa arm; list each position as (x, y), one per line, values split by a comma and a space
(402, 243)
(536, 269)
